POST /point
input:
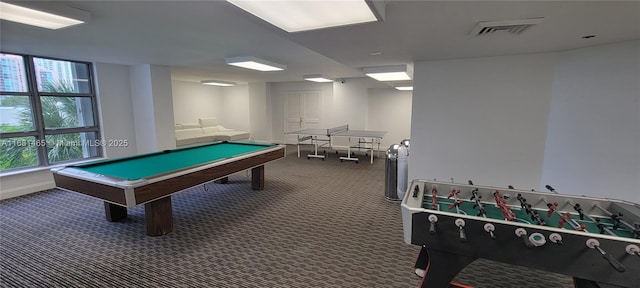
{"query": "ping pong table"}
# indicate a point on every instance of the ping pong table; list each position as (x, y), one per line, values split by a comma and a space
(323, 138)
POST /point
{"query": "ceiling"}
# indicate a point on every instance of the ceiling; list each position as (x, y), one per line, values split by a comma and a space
(194, 37)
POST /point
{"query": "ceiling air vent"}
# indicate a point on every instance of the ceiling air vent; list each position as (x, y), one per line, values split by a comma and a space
(510, 26)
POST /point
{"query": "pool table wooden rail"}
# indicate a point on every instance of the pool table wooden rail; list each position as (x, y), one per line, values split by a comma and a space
(155, 192)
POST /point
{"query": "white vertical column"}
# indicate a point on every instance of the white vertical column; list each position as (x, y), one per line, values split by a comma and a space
(152, 107)
(260, 128)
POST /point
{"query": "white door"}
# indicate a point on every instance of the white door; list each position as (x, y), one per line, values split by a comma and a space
(303, 110)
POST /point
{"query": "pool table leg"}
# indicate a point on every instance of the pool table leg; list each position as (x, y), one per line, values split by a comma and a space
(257, 178)
(224, 180)
(158, 216)
(114, 212)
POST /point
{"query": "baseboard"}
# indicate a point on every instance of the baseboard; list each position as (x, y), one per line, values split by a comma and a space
(26, 189)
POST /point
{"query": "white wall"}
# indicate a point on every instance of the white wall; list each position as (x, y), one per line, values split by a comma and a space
(152, 102)
(390, 110)
(236, 112)
(25, 183)
(115, 108)
(362, 103)
(163, 107)
(593, 140)
(142, 103)
(278, 92)
(481, 119)
(194, 100)
(230, 105)
(350, 102)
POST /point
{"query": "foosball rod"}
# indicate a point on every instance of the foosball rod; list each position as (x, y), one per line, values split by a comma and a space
(488, 227)
(571, 222)
(579, 209)
(611, 215)
(532, 212)
(605, 229)
(460, 223)
(454, 193)
(434, 195)
(482, 212)
(501, 203)
(479, 204)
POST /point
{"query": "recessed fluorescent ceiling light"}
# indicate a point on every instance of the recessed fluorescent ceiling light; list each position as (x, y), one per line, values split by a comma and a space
(43, 19)
(404, 87)
(317, 78)
(296, 16)
(218, 83)
(389, 73)
(255, 63)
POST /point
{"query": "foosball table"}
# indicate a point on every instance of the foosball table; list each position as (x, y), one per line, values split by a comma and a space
(594, 240)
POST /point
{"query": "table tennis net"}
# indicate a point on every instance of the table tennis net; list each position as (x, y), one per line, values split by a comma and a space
(334, 130)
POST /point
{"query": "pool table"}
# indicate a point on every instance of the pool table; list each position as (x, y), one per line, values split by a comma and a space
(150, 179)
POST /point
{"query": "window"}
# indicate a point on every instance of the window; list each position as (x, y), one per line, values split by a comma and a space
(47, 112)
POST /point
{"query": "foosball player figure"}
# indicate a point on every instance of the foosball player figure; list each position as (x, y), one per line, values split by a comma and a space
(434, 195)
(552, 208)
(600, 226)
(482, 211)
(536, 217)
(416, 190)
(501, 203)
(617, 220)
(453, 193)
(455, 204)
(476, 198)
(578, 208)
(474, 195)
(564, 218)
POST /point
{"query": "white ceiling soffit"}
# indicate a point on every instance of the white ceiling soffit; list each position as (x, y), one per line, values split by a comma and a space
(195, 37)
(439, 30)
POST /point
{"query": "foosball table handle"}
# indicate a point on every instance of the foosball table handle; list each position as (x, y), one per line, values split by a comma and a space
(520, 232)
(433, 219)
(489, 228)
(614, 263)
(463, 235)
(595, 244)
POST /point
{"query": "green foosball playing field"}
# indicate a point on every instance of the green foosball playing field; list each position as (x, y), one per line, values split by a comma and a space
(492, 211)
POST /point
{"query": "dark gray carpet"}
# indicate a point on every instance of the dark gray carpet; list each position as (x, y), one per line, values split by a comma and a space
(317, 224)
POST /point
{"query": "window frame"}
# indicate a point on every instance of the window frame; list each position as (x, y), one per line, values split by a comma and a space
(40, 131)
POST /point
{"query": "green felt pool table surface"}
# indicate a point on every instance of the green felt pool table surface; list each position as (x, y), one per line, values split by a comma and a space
(148, 165)
(151, 179)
